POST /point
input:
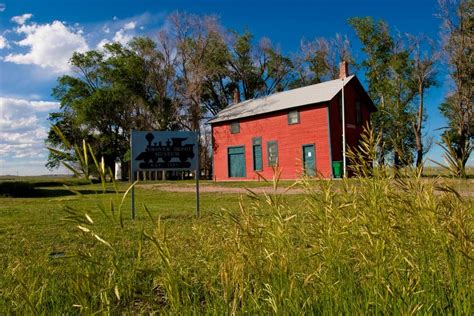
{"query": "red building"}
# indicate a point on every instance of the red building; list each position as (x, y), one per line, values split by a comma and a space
(299, 129)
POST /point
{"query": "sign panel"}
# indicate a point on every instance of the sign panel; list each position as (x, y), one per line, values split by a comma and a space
(164, 151)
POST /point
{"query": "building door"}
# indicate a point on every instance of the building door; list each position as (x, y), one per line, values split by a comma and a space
(257, 154)
(236, 160)
(309, 160)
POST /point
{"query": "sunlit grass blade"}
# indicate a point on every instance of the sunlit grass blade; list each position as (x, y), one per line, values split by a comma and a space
(123, 200)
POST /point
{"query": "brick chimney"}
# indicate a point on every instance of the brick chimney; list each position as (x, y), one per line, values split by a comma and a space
(343, 70)
(236, 97)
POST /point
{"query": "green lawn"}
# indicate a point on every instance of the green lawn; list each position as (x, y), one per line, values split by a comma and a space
(358, 246)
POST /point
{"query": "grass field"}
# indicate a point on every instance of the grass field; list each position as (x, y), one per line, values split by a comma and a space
(358, 246)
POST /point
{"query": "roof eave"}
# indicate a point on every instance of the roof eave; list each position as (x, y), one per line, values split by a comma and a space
(214, 120)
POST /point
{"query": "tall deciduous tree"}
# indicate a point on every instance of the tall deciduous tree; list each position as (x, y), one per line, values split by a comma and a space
(389, 72)
(424, 61)
(318, 60)
(197, 40)
(377, 46)
(112, 92)
(458, 45)
(257, 70)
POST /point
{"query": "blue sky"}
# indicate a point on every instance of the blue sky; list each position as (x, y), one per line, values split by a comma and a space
(38, 37)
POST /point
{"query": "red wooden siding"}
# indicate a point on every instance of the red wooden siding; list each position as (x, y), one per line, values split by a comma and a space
(312, 129)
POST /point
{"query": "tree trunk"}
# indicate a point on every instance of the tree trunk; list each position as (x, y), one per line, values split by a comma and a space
(417, 129)
(381, 157)
(419, 156)
(396, 164)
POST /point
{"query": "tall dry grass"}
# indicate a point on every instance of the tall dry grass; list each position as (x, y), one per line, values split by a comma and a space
(369, 245)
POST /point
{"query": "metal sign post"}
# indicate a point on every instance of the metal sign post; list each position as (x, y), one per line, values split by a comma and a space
(197, 174)
(132, 175)
(161, 151)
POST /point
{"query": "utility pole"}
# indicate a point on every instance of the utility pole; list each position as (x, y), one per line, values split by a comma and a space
(343, 132)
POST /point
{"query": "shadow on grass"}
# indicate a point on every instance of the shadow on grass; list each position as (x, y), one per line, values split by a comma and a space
(71, 182)
(47, 193)
(178, 216)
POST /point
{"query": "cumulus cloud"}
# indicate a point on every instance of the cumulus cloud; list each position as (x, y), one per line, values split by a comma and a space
(3, 42)
(122, 37)
(130, 25)
(50, 46)
(21, 19)
(126, 33)
(2, 7)
(44, 106)
(22, 129)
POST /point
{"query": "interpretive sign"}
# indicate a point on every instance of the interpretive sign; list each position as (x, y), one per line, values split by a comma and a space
(164, 151)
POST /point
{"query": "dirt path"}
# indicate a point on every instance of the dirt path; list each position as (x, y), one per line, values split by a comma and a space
(217, 189)
(204, 188)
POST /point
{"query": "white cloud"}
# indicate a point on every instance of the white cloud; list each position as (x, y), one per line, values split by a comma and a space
(122, 37)
(130, 25)
(23, 128)
(2, 7)
(21, 19)
(51, 46)
(44, 106)
(3, 42)
(126, 33)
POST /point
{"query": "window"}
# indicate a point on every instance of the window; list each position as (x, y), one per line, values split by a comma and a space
(272, 153)
(235, 128)
(257, 154)
(358, 113)
(293, 117)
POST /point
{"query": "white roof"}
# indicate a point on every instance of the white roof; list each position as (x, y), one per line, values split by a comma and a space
(312, 94)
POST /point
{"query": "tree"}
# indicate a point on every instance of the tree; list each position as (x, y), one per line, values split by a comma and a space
(112, 92)
(458, 46)
(377, 46)
(423, 77)
(158, 63)
(389, 71)
(217, 67)
(318, 60)
(196, 41)
(257, 70)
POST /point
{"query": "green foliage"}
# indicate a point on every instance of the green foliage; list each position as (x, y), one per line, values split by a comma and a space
(114, 91)
(319, 60)
(76, 160)
(243, 65)
(194, 69)
(390, 72)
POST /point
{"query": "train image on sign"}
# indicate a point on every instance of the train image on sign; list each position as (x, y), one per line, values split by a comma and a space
(172, 149)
